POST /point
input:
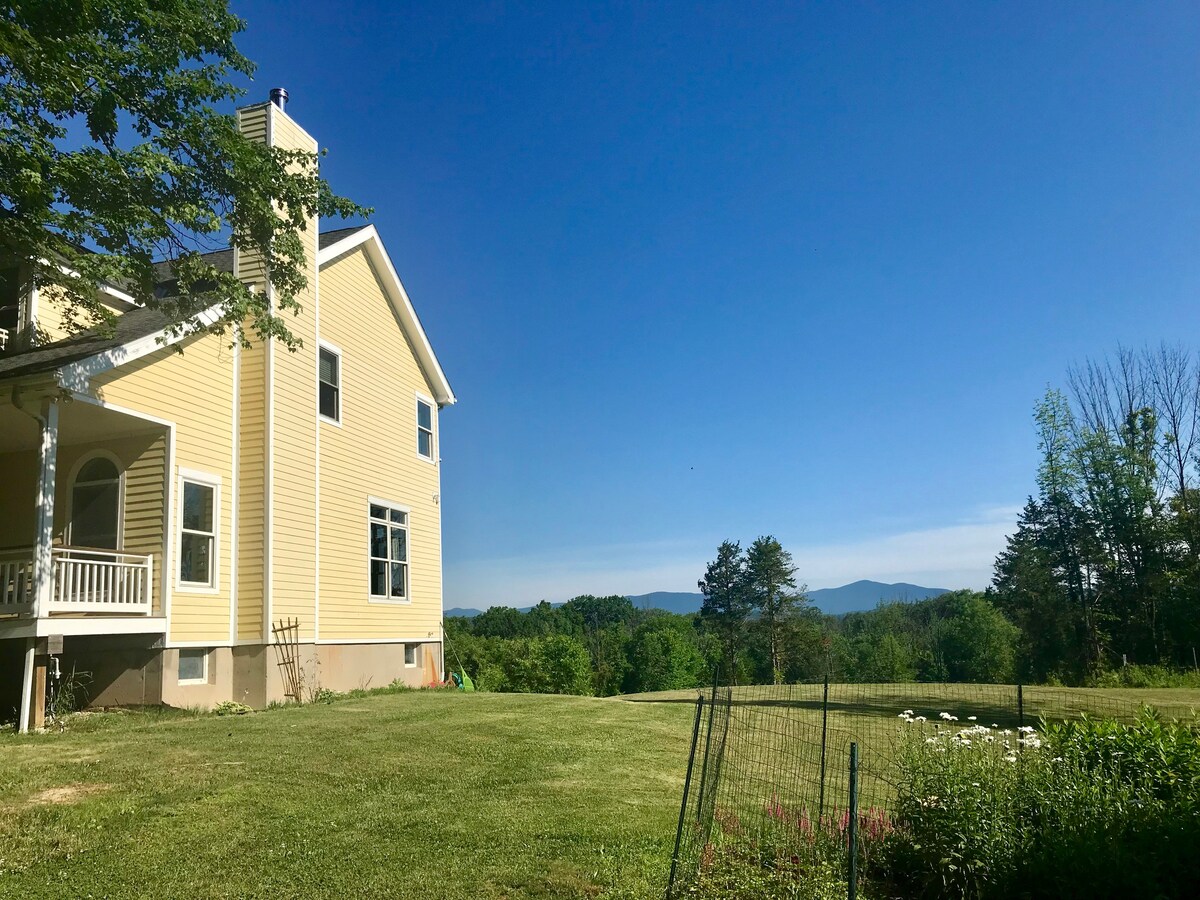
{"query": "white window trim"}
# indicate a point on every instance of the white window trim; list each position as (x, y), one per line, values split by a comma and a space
(416, 650)
(74, 476)
(203, 679)
(341, 406)
(399, 507)
(432, 459)
(213, 481)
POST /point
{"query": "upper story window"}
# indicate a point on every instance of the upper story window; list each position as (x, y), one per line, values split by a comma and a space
(10, 304)
(425, 428)
(198, 531)
(330, 378)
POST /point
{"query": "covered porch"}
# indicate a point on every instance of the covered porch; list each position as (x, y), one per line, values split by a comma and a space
(84, 522)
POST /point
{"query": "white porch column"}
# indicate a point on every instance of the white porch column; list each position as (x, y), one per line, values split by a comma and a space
(43, 570)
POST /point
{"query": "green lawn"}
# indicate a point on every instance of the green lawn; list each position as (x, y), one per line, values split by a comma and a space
(414, 795)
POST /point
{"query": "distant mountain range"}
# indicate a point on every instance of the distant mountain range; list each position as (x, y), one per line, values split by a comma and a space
(856, 597)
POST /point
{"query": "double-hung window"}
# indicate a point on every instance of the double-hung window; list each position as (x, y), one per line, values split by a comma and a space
(197, 532)
(425, 429)
(388, 535)
(330, 389)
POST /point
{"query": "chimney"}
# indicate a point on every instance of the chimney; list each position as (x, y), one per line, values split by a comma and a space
(279, 97)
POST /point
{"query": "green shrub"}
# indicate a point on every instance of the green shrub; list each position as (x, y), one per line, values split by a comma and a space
(232, 708)
(1087, 808)
(1147, 677)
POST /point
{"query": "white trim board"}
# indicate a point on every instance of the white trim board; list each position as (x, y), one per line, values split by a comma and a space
(76, 376)
(368, 239)
(70, 626)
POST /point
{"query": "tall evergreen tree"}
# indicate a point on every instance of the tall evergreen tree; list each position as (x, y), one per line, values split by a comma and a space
(771, 589)
(726, 604)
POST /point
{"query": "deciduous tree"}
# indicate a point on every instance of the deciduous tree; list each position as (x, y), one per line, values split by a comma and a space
(116, 140)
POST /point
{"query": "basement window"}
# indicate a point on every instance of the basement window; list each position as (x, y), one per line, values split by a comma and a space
(410, 655)
(193, 666)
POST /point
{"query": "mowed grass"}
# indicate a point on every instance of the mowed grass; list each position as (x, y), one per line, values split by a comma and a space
(416, 795)
(427, 794)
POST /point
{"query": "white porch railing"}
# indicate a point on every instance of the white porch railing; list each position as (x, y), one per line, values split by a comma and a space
(16, 580)
(83, 581)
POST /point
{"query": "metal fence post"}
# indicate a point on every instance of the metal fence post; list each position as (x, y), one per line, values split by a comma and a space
(824, 734)
(1020, 706)
(712, 703)
(687, 783)
(852, 880)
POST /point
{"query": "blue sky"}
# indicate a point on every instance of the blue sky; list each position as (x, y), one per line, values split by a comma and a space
(710, 271)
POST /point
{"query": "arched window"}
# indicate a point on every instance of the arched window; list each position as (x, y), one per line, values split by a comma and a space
(96, 505)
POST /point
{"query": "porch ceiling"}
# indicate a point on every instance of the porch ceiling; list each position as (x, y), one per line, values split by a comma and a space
(79, 422)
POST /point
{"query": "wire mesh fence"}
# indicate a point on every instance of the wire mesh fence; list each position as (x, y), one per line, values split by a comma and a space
(769, 780)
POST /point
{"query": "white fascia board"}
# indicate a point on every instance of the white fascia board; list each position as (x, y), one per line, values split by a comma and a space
(368, 239)
(105, 287)
(346, 244)
(77, 375)
(71, 626)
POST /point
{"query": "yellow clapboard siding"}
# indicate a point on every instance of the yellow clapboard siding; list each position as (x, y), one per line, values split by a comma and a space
(165, 384)
(251, 493)
(53, 321)
(380, 380)
(293, 459)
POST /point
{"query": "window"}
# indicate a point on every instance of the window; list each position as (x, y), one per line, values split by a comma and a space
(425, 429)
(10, 299)
(330, 377)
(388, 527)
(96, 505)
(410, 655)
(197, 533)
(193, 666)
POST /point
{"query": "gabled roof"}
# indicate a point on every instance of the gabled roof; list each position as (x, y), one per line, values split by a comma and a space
(127, 328)
(329, 238)
(367, 238)
(143, 330)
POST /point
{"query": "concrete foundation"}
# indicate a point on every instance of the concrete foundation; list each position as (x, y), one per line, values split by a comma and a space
(134, 670)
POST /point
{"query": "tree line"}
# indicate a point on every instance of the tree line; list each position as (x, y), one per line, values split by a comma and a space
(1102, 572)
(604, 645)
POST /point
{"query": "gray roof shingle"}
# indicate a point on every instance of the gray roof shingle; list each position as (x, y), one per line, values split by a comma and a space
(130, 326)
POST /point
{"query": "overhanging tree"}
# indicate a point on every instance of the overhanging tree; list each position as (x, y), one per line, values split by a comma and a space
(113, 141)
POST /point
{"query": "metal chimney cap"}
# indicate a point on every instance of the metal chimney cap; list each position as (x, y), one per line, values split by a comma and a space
(279, 97)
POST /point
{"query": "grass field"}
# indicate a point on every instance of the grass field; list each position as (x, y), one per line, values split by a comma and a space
(415, 795)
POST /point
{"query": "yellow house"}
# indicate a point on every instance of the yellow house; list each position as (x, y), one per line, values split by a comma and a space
(162, 515)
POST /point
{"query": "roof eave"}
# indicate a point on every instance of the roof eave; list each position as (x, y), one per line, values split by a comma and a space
(368, 239)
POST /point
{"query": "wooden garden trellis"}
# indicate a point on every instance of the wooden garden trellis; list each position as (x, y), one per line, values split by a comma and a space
(287, 652)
